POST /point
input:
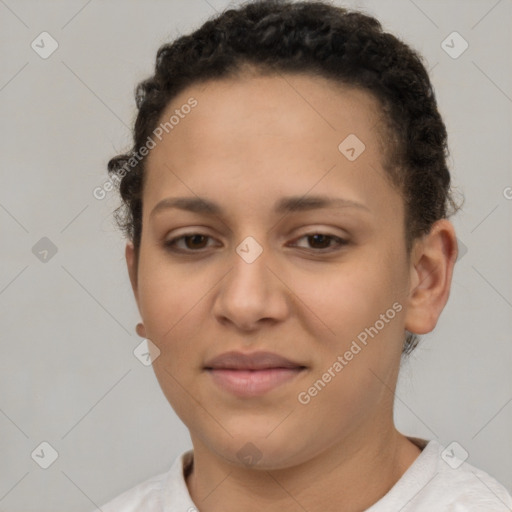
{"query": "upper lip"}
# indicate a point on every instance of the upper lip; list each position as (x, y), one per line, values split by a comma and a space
(253, 361)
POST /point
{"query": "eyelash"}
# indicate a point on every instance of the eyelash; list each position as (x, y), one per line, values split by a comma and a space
(170, 244)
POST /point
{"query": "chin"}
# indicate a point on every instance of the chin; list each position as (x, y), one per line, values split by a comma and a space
(260, 451)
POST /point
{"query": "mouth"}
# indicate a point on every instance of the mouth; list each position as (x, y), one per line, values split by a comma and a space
(250, 375)
(251, 383)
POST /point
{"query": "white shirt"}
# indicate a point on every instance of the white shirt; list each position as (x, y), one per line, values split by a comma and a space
(430, 484)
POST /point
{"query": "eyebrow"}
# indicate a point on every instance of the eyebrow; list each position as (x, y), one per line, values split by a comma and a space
(284, 205)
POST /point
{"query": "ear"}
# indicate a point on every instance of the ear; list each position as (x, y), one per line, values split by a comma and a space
(432, 260)
(132, 264)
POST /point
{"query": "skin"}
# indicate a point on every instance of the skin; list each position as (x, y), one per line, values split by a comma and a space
(250, 141)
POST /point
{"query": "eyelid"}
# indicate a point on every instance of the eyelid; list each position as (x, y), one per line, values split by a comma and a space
(170, 243)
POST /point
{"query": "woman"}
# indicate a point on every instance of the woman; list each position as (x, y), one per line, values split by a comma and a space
(286, 202)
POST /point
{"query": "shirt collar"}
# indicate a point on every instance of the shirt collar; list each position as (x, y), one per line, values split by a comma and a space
(175, 495)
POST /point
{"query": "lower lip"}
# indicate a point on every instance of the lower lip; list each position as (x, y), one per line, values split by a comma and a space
(247, 383)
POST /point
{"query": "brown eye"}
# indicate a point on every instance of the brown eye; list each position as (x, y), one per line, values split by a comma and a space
(322, 241)
(193, 242)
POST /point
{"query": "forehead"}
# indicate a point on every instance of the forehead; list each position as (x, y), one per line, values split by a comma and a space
(288, 105)
(266, 134)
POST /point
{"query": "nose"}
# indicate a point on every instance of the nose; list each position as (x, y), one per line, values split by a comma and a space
(251, 294)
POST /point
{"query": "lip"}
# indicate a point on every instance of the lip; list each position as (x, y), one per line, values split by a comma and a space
(252, 361)
(254, 374)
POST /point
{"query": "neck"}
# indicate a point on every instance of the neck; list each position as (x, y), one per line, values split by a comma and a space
(350, 476)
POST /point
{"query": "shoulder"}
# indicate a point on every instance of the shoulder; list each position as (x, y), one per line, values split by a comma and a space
(144, 496)
(160, 493)
(470, 489)
(458, 485)
(441, 480)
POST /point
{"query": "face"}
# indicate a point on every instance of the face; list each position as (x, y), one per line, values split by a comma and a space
(323, 283)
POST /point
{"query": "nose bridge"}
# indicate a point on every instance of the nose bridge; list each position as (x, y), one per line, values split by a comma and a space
(249, 278)
(250, 292)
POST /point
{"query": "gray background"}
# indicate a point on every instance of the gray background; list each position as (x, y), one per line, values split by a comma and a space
(68, 375)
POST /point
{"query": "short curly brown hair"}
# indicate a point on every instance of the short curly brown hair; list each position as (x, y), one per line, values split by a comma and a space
(282, 36)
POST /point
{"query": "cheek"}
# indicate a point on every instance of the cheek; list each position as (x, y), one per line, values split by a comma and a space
(356, 368)
(167, 295)
(175, 303)
(364, 310)
(360, 390)
(354, 296)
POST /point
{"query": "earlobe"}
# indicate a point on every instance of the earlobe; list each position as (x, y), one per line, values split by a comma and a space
(432, 265)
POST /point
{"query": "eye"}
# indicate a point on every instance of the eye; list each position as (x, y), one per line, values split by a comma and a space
(321, 241)
(193, 242)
